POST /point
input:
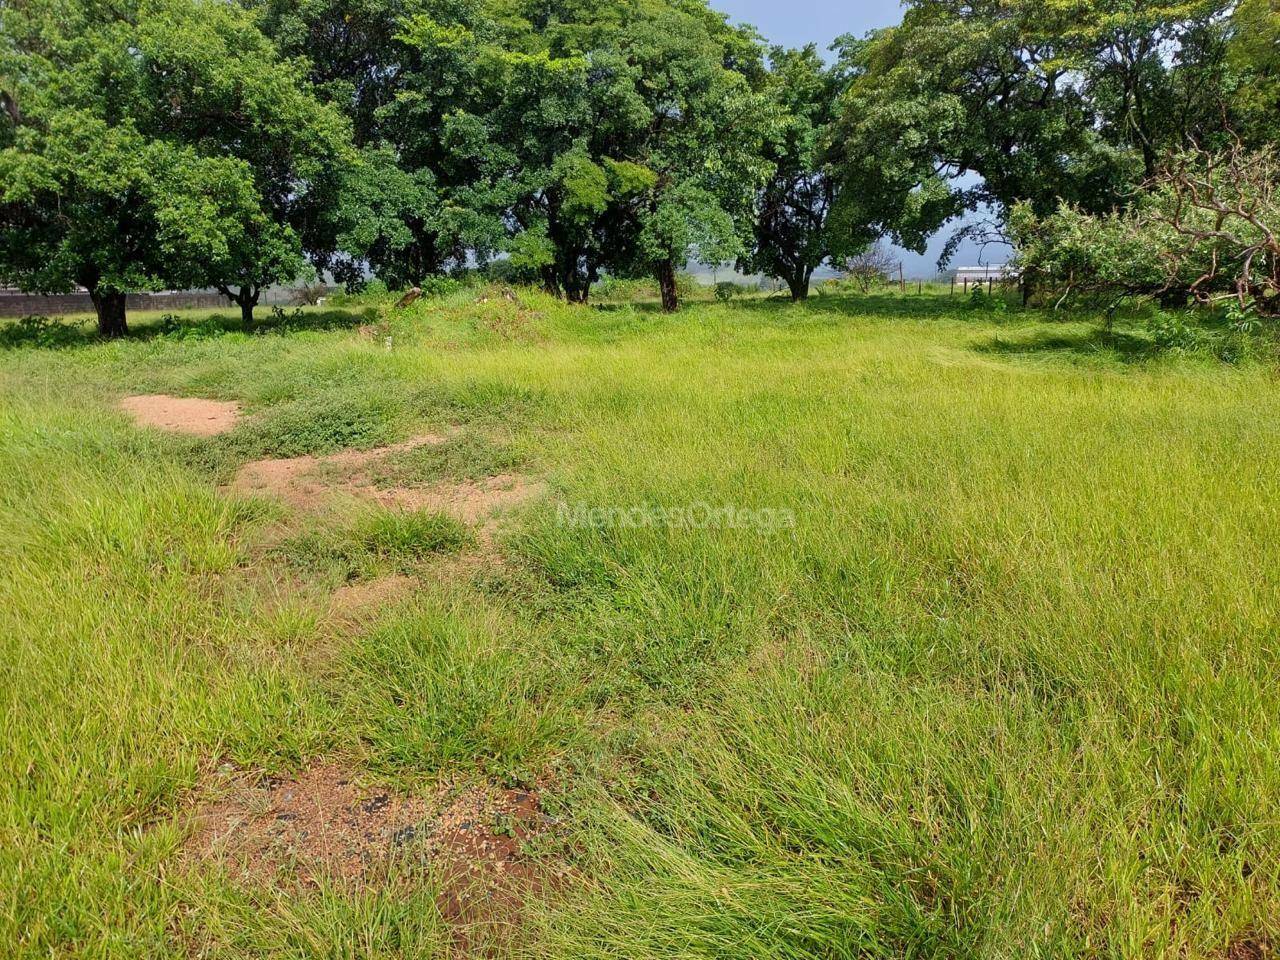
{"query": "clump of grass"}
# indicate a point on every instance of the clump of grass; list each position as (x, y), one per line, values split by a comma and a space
(376, 542)
(399, 537)
(466, 456)
(321, 424)
(451, 686)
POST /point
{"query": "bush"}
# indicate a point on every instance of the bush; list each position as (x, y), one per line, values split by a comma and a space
(1171, 331)
(319, 424)
(309, 294)
(625, 290)
(726, 290)
(37, 330)
(1205, 226)
(439, 286)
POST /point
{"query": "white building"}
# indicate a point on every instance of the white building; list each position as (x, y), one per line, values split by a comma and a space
(1001, 272)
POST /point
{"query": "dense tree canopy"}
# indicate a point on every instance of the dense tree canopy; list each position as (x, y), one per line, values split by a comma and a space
(162, 143)
(792, 231)
(1043, 101)
(156, 143)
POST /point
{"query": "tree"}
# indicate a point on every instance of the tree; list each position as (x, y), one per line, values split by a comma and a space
(1207, 225)
(226, 90)
(1253, 52)
(120, 169)
(683, 140)
(791, 236)
(418, 83)
(1042, 102)
(869, 266)
(705, 146)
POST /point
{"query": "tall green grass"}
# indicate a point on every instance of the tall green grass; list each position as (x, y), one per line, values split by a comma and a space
(1004, 689)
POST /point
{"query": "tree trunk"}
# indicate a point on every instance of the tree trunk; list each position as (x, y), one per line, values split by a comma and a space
(247, 298)
(551, 281)
(667, 284)
(110, 307)
(799, 286)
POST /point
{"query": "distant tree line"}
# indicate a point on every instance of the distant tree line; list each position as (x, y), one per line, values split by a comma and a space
(148, 144)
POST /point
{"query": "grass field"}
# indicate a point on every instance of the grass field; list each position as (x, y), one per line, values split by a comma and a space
(981, 660)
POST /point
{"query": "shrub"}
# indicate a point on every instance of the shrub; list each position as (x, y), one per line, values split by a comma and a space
(1206, 226)
(309, 294)
(319, 424)
(726, 290)
(37, 330)
(1171, 331)
(439, 286)
(626, 290)
(869, 268)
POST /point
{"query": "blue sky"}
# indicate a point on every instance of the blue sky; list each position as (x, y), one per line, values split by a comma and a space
(797, 22)
(794, 23)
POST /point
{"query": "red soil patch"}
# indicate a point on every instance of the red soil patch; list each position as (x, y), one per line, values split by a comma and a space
(299, 480)
(354, 602)
(318, 824)
(306, 482)
(470, 501)
(1249, 949)
(203, 418)
(324, 824)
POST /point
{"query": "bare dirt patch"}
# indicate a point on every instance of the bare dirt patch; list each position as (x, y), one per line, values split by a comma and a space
(1249, 948)
(353, 603)
(325, 824)
(470, 501)
(307, 482)
(202, 418)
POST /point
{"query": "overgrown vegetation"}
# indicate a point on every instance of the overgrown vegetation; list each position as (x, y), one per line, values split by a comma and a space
(1005, 679)
(885, 623)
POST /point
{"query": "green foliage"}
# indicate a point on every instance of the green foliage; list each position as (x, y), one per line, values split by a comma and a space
(792, 233)
(1173, 331)
(971, 697)
(1071, 253)
(36, 330)
(1254, 53)
(163, 143)
(1049, 104)
(1205, 226)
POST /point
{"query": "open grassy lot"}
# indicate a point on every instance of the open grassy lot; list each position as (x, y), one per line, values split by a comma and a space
(872, 627)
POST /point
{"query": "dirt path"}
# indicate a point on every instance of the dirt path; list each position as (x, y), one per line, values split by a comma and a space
(192, 415)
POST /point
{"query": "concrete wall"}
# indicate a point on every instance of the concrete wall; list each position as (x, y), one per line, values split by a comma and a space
(14, 304)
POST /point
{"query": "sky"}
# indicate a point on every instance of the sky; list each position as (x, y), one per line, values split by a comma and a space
(794, 23)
